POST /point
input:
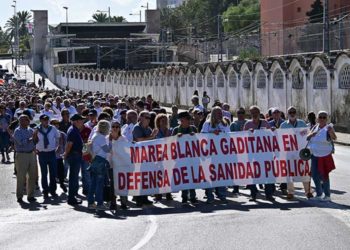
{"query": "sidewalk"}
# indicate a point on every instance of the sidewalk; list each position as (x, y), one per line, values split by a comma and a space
(342, 138)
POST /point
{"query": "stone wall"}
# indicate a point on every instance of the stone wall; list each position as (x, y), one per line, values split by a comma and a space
(311, 83)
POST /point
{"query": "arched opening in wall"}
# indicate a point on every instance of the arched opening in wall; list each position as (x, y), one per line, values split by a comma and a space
(246, 80)
(76, 76)
(96, 78)
(102, 78)
(81, 76)
(163, 79)
(146, 79)
(199, 80)
(320, 78)
(109, 78)
(176, 80)
(191, 80)
(261, 80)
(63, 73)
(232, 80)
(91, 77)
(209, 79)
(86, 76)
(220, 80)
(156, 82)
(344, 77)
(278, 79)
(297, 79)
(71, 75)
(116, 79)
(182, 81)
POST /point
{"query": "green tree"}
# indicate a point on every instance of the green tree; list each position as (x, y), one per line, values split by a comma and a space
(118, 19)
(100, 18)
(316, 13)
(24, 17)
(4, 42)
(246, 13)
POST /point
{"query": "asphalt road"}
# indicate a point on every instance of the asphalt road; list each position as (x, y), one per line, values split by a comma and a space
(240, 224)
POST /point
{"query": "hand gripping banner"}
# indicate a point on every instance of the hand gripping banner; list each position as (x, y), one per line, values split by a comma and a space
(208, 160)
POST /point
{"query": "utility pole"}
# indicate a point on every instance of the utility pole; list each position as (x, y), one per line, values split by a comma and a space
(98, 64)
(126, 55)
(219, 39)
(67, 52)
(326, 47)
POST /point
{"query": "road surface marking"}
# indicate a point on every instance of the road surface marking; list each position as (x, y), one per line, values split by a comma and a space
(149, 234)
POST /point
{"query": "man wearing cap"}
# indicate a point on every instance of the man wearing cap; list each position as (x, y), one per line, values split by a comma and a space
(293, 122)
(73, 154)
(143, 132)
(25, 161)
(92, 119)
(186, 128)
(48, 138)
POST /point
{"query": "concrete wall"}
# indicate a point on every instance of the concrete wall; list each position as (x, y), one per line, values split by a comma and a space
(40, 32)
(310, 85)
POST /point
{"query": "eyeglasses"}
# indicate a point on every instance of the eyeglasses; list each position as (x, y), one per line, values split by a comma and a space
(322, 117)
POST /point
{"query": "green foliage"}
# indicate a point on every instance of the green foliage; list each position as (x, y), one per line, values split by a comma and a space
(118, 19)
(245, 13)
(316, 13)
(251, 54)
(201, 15)
(100, 17)
(4, 42)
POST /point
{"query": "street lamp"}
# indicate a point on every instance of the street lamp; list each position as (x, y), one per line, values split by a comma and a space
(104, 11)
(67, 53)
(136, 14)
(16, 40)
(145, 6)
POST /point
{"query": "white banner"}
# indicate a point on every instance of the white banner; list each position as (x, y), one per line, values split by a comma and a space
(208, 160)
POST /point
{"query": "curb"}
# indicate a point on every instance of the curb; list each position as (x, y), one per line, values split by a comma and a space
(342, 143)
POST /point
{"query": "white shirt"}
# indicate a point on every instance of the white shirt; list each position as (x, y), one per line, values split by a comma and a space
(319, 145)
(226, 114)
(92, 133)
(200, 107)
(54, 140)
(127, 131)
(98, 110)
(98, 141)
(72, 110)
(207, 128)
(49, 113)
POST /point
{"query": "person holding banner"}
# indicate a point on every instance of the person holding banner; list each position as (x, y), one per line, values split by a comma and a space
(322, 162)
(216, 124)
(237, 126)
(143, 132)
(257, 123)
(184, 128)
(293, 122)
(99, 165)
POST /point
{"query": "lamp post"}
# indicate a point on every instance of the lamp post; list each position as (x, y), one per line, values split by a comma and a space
(136, 14)
(67, 52)
(145, 6)
(108, 11)
(16, 40)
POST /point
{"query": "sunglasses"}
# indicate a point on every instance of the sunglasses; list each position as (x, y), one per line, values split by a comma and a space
(292, 112)
(322, 117)
(115, 126)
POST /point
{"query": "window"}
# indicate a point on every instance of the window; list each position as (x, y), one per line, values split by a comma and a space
(220, 80)
(278, 79)
(209, 79)
(297, 79)
(320, 78)
(261, 80)
(232, 80)
(81, 76)
(344, 77)
(199, 80)
(246, 80)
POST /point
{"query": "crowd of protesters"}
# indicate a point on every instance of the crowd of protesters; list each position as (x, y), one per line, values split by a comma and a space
(70, 134)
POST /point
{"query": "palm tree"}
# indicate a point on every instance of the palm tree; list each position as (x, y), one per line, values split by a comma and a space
(100, 17)
(118, 19)
(24, 17)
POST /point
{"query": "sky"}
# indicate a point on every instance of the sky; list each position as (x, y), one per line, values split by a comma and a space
(78, 10)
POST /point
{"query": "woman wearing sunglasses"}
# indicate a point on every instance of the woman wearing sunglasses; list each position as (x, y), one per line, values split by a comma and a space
(116, 137)
(322, 163)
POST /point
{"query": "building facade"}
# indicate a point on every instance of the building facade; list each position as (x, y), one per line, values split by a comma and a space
(285, 28)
